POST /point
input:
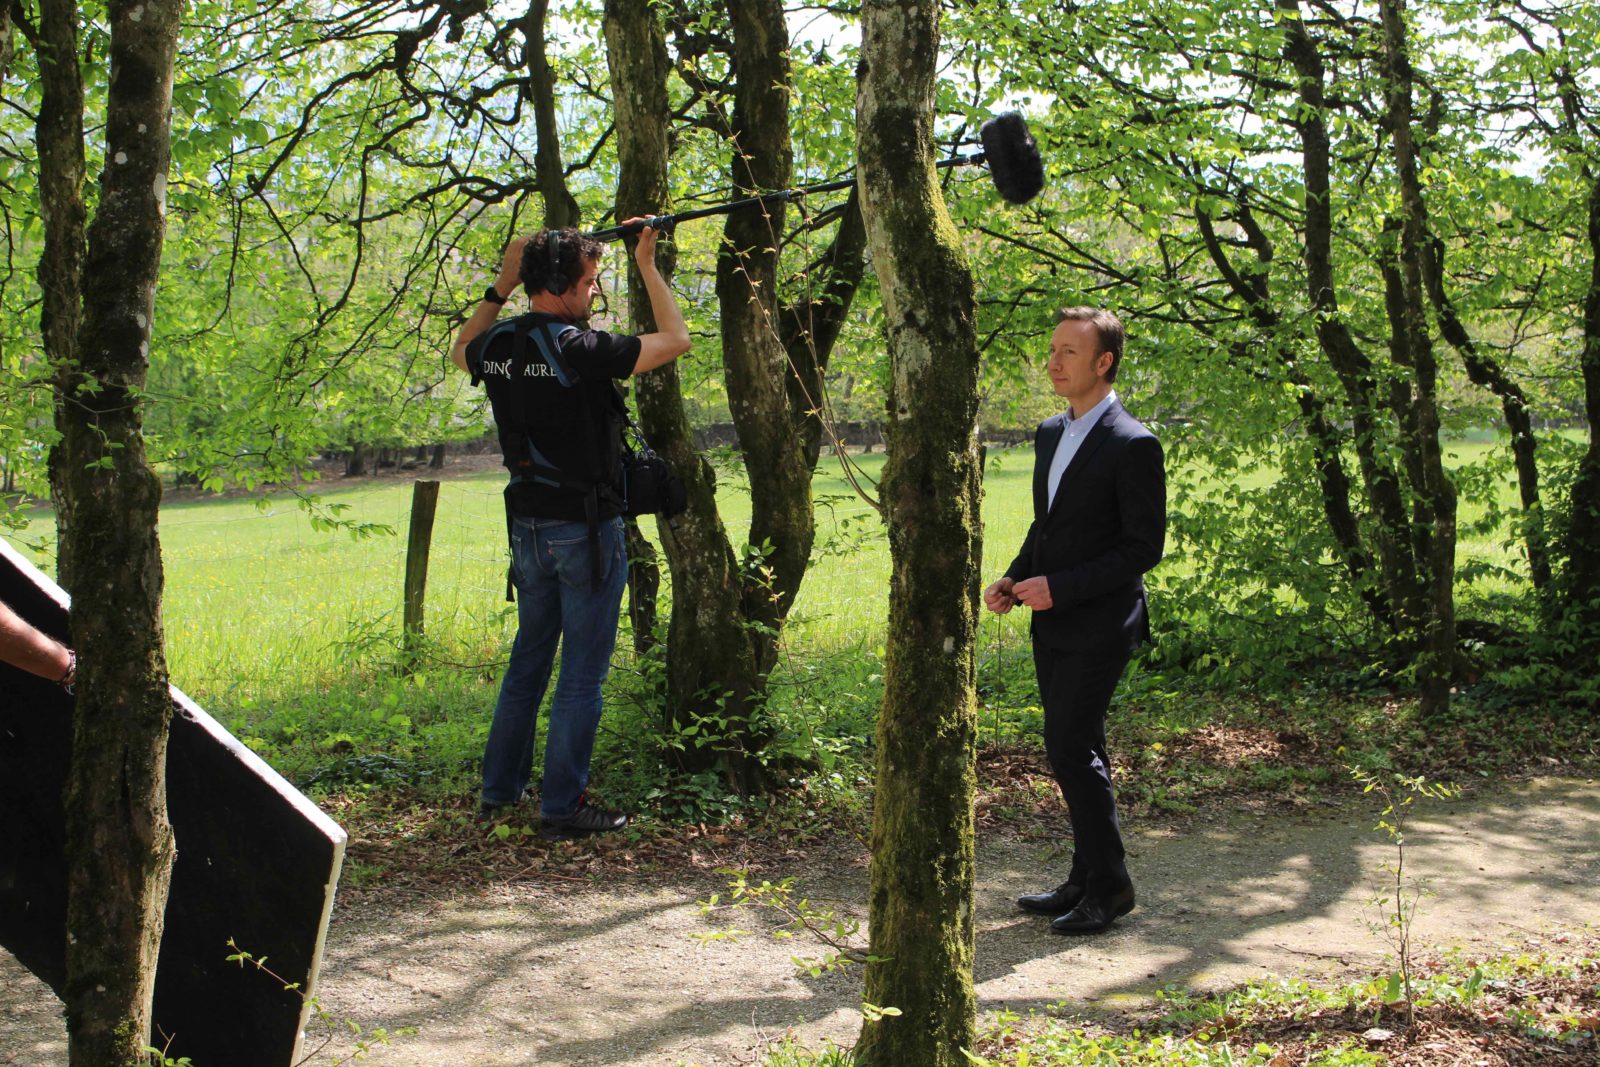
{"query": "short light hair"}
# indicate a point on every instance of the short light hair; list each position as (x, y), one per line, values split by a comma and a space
(1107, 325)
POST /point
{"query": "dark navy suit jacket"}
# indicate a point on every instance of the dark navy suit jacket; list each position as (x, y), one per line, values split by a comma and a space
(1107, 527)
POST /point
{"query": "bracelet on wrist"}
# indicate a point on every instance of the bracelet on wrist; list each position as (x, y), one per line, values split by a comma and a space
(66, 680)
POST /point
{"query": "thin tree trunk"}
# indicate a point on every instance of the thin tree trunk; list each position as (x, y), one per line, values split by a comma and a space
(1581, 544)
(920, 900)
(1252, 287)
(706, 640)
(119, 844)
(810, 326)
(8, 48)
(560, 211)
(1484, 370)
(1434, 494)
(1381, 483)
(560, 208)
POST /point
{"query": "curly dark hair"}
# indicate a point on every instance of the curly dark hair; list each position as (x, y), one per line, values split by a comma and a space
(554, 273)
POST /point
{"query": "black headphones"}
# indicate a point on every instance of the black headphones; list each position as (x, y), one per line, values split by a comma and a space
(553, 283)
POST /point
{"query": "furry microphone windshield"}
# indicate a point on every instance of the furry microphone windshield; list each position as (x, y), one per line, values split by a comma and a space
(1013, 157)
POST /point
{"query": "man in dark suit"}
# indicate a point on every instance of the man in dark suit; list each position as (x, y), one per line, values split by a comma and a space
(1099, 522)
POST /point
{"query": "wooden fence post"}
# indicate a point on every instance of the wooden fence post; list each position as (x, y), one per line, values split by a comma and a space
(424, 501)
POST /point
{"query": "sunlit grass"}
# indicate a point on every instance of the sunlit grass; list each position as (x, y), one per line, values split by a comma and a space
(255, 597)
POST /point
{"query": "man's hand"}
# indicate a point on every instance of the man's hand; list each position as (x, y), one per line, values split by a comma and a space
(510, 275)
(998, 597)
(1033, 593)
(506, 283)
(644, 248)
(671, 337)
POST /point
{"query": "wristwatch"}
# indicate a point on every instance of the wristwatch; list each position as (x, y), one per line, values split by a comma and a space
(492, 295)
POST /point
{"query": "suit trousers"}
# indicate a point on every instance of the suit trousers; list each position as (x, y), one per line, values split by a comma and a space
(1075, 689)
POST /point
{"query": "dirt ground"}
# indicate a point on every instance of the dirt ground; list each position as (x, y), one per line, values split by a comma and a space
(573, 973)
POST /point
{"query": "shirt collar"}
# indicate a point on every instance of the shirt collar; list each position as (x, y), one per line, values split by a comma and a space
(1086, 421)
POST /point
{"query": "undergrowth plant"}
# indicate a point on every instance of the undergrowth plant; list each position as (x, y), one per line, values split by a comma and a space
(836, 931)
(364, 1040)
(1399, 907)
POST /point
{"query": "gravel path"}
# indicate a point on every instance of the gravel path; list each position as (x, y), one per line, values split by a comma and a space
(570, 974)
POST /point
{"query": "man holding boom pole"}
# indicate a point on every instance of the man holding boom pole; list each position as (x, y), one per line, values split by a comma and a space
(552, 383)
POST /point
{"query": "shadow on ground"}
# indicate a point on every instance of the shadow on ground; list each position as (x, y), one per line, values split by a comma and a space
(567, 974)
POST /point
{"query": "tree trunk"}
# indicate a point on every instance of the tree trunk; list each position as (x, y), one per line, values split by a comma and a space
(119, 844)
(727, 613)
(1581, 544)
(810, 326)
(560, 208)
(1484, 370)
(1433, 493)
(8, 48)
(1382, 484)
(782, 526)
(560, 211)
(920, 901)
(705, 638)
(1252, 285)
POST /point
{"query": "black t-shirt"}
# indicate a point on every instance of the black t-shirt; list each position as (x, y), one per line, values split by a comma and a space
(574, 428)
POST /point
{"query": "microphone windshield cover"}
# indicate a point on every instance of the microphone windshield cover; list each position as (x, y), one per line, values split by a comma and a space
(1013, 157)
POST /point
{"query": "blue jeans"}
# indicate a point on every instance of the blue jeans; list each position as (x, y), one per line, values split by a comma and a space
(552, 568)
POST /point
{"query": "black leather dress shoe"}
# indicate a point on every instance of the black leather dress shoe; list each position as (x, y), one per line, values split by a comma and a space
(1060, 900)
(1096, 913)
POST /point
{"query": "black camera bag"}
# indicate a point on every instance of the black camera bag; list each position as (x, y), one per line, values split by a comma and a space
(648, 485)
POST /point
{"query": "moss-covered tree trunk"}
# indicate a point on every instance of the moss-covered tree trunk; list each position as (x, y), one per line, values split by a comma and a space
(119, 844)
(727, 611)
(706, 641)
(782, 526)
(920, 906)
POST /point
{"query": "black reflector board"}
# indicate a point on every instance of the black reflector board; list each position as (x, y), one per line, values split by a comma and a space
(257, 862)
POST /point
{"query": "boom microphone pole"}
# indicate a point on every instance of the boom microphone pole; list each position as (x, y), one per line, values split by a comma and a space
(1008, 148)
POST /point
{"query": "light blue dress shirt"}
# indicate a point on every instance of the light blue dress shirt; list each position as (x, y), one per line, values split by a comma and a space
(1072, 436)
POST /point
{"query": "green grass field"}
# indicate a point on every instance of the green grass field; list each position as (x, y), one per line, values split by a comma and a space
(255, 596)
(289, 634)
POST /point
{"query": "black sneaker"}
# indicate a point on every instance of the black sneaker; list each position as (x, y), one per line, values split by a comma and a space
(587, 819)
